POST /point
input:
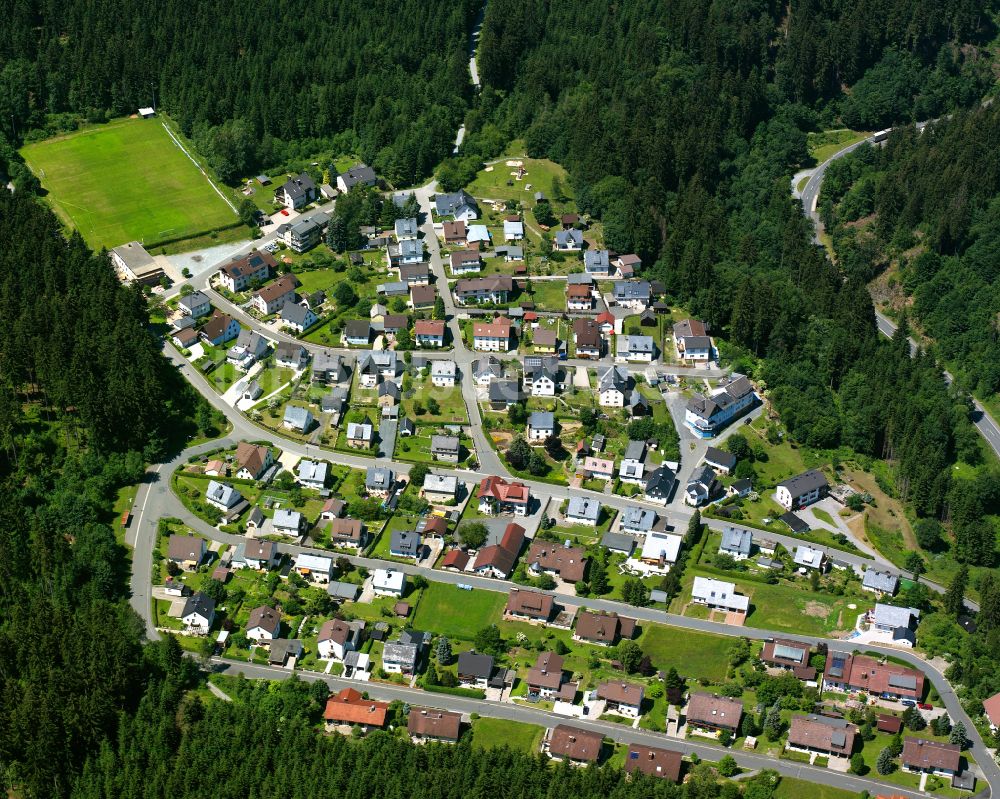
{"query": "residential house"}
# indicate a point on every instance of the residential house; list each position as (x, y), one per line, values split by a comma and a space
(252, 460)
(328, 367)
(654, 762)
(692, 341)
(350, 709)
(792, 656)
(627, 265)
(288, 522)
(443, 373)
(456, 559)
(445, 448)
(422, 297)
(529, 605)
(478, 236)
(612, 384)
(991, 708)
(597, 263)
(660, 485)
(583, 510)
(492, 336)
(220, 329)
(497, 495)
(414, 274)
(185, 337)
(633, 294)
(464, 262)
(714, 713)
(599, 468)
(240, 273)
(403, 655)
(637, 405)
(360, 175)
(357, 333)
(195, 304)
(198, 613)
(740, 488)
(317, 569)
(809, 558)
(568, 241)
(272, 298)
(291, 355)
(900, 623)
(544, 340)
(492, 289)
(388, 394)
(333, 508)
(633, 463)
(222, 496)
(454, 232)
(250, 347)
(588, 340)
(379, 481)
(701, 486)
(606, 320)
(603, 629)
(860, 673)
(578, 746)
(406, 229)
(720, 460)
(298, 419)
(429, 333)
(260, 554)
(135, 265)
(880, 583)
(297, 317)
(635, 348)
(824, 735)
(636, 521)
(360, 435)
(513, 229)
(426, 724)
(372, 366)
(440, 489)
(545, 678)
(475, 669)
(337, 638)
(347, 533)
(660, 550)
(459, 204)
(296, 193)
(541, 425)
(566, 562)
(932, 757)
(264, 625)
(622, 698)
(736, 542)
(579, 298)
(802, 490)
(187, 551)
(718, 595)
(486, 370)
(312, 474)
(395, 288)
(706, 416)
(497, 560)
(388, 582)
(303, 234)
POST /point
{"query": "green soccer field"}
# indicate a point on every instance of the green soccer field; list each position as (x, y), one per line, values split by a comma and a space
(127, 181)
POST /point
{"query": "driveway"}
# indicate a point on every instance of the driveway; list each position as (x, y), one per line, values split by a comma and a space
(387, 437)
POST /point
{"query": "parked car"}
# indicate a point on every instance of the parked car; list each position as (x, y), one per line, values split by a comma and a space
(907, 703)
(925, 706)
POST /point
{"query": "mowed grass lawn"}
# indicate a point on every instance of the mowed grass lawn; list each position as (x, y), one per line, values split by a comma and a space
(126, 181)
(450, 611)
(693, 654)
(493, 733)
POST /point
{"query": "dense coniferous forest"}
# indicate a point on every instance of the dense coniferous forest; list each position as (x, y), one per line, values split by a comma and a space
(253, 83)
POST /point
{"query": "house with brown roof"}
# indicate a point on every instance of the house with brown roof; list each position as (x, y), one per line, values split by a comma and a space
(623, 698)
(573, 744)
(833, 737)
(602, 629)
(238, 274)
(654, 762)
(851, 673)
(336, 638)
(497, 560)
(427, 724)
(220, 329)
(349, 708)
(492, 336)
(454, 231)
(347, 533)
(429, 332)
(260, 554)
(187, 551)
(252, 460)
(264, 625)
(422, 296)
(587, 336)
(714, 713)
(579, 297)
(529, 605)
(931, 756)
(567, 563)
(272, 297)
(886, 722)
(492, 289)
(465, 262)
(789, 655)
(545, 678)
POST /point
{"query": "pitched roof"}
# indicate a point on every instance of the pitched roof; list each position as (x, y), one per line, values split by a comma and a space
(429, 327)
(265, 617)
(349, 707)
(475, 664)
(625, 693)
(279, 288)
(434, 723)
(569, 562)
(991, 707)
(924, 754)
(455, 559)
(804, 483)
(547, 671)
(718, 711)
(654, 762)
(498, 328)
(199, 603)
(529, 603)
(689, 327)
(335, 630)
(784, 652)
(880, 581)
(217, 325)
(822, 732)
(251, 457)
(603, 627)
(575, 744)
(185, 547)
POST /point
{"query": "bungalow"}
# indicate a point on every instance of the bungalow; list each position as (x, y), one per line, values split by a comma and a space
(583, 510)
(360, 175)
(440, 489)
(388, 582)
(478, 236)
(497, 560)
(860, 673)
(623, 698)
(809, 558)
(880, 583)
(296, 193)
(406, 229)
(588, 340)
(789, 655)
(596, 262)
(714, 713)
(822, 734)
(567, 563)
(718, 595)
(475, 669)
(249, 348)
(513, 229)
(612, 384)
(288, 522)
(425, 724)
(454, 232)
(529, 605)
(654, 762)
(633, 294)
(347, 533)
(493, 289)
(350, 709)
(464, 262)
(312, 474)
(394, 288)
(720, 460)
(185, 338)
(297, 317)
(298, 419)
(357, 333)
(701, 486)
(545, 678)
(273, 297)
(932, 757)
(460, 205)
(802, 490)
(707, 415)
(541, 425)
(360, 435)
(195, 304)
(456, 559)
(222, 496)
(443, 373)
(603, 629)
(240, 273)
(445, 448)
(579, 298)
(198, 613)
(379, 481)
(633, 463)
(316, 569)
(736, 542)
(599, 468)
(568, 240)
(492, 336)
(220, 329)
(264, 625)
(187, 551)
(660, 550)
(573, 744)
(252, 460)
(292, 356)
(635, 348)
(660, 485)
(692, 341)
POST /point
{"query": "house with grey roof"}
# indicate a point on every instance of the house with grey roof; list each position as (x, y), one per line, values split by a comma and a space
(297, 192)
(222, 496)
(541, 425)
(583, 510)
(198, 613)
(504, 393)
(879, 582)
(440, 488)
(633, 294)
(249, 348)
(890, 619)
(379, 480)
(487, 369)
(443, 373)
(360, 175)
(633, 465)
(809, 558)
(618, 542)
(568, 240)
(597, 262)
(328, 367)
(298, 419)
(458, 204)
(445, 448)
(312, 474)
(292, 355)
(406, 229)
(612, 384)
(736, 542)
(660, 484)
(801, 490)
(195, 304)
(701, 486)
(405, 544)
(636, 520)
(357, 332)
(640, 349)
(288, 522)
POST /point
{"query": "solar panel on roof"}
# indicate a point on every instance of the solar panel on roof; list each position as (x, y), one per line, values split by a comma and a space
(838, 739)
(903, 681)
(633, 755)
(787, 652)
